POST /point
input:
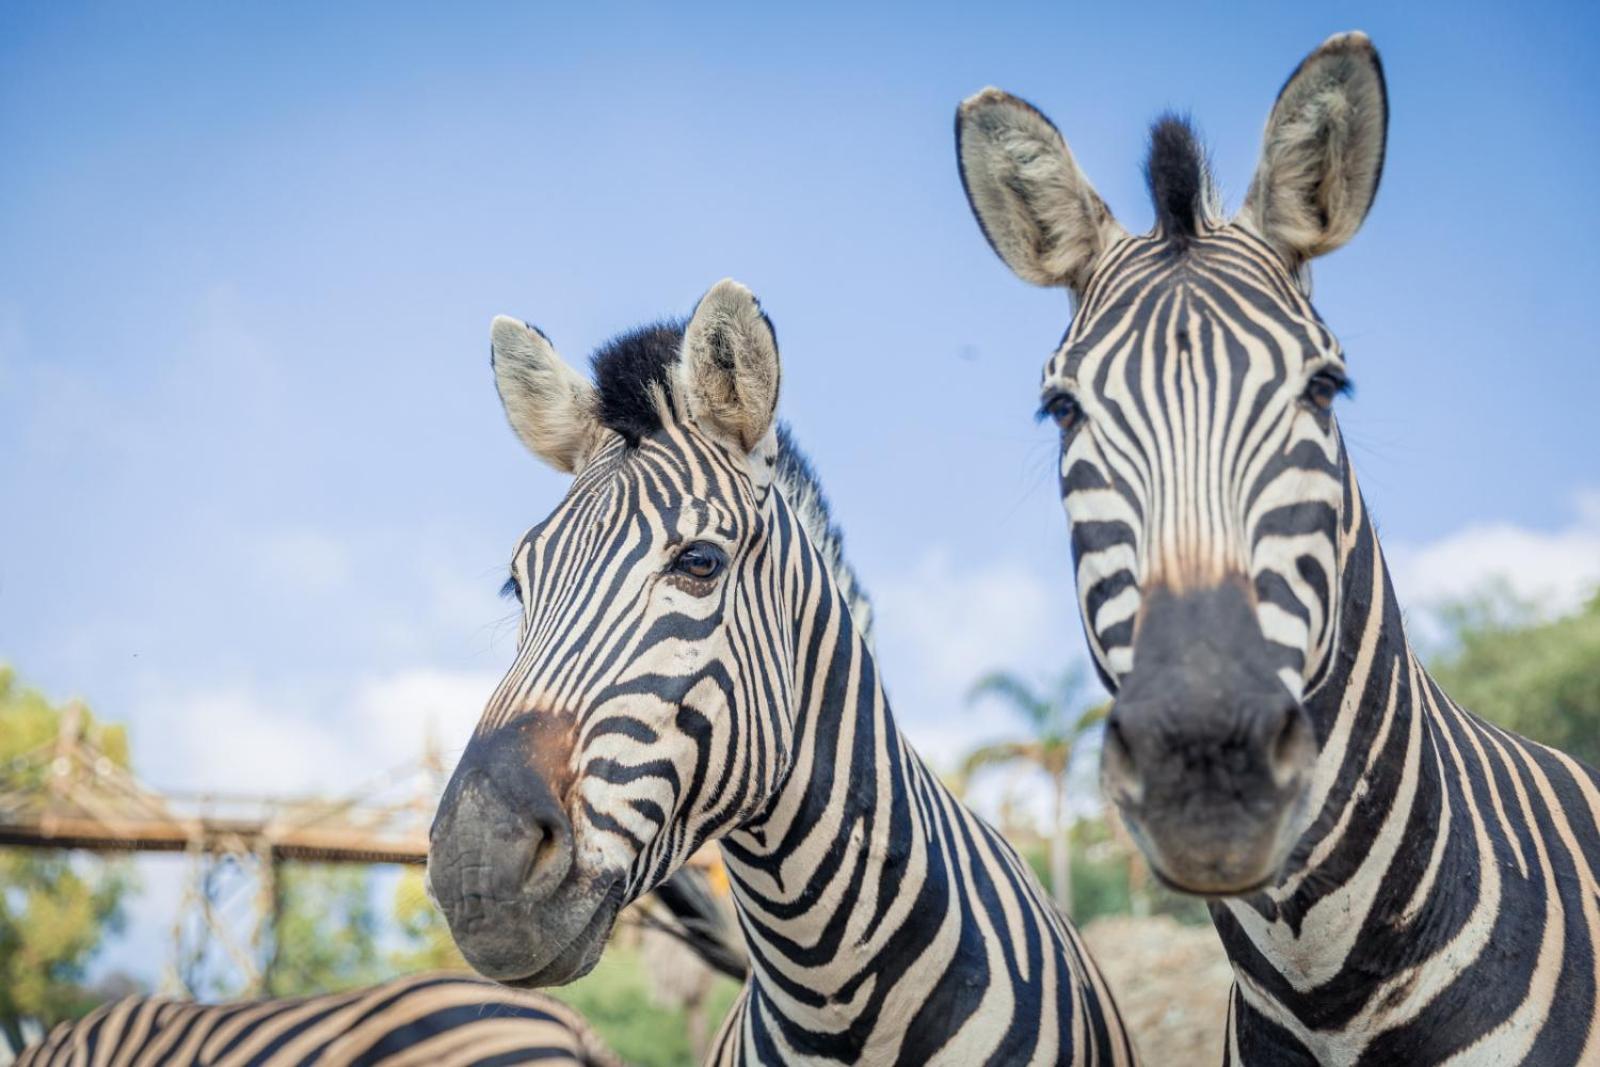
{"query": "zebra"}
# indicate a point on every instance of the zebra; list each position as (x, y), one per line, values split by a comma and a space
(438, 1020)
(1394, 879)
(694, 665)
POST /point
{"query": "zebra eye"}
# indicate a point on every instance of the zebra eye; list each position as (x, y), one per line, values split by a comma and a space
(701, 560)
(1063, 408)
(1324, 388)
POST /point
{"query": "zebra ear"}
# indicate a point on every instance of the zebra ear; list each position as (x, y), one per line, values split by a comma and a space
(730, 368)
(1322, 154)
(550, 405)
(1034, 205)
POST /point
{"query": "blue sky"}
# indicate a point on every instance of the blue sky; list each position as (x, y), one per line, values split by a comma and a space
(258, 491)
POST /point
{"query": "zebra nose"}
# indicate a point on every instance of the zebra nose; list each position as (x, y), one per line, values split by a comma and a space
(488, 848)
(1139, 752)
(500, 834)
(1293, 748)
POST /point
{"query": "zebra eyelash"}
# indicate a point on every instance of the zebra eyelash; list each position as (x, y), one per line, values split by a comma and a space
(1063, 408)
(1344, 385)
(511, 590)
(1042, 412)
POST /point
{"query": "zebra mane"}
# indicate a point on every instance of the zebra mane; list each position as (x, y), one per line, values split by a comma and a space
(803, 490)
(633, 380)
(1179, 177)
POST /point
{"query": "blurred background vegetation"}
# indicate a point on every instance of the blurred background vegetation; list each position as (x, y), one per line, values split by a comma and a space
(342, 926)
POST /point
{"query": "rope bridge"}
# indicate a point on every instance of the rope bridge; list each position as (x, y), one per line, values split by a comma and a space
(69, 794)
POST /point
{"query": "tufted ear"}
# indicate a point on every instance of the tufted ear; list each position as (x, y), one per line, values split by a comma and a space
(550, 405)
(1035, 206)
(730, 367)
(1322, 154)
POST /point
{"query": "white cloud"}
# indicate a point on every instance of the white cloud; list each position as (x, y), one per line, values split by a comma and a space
(245, 739)
(397, 713)
(235, 740)
(1553, 570)
(940, 627)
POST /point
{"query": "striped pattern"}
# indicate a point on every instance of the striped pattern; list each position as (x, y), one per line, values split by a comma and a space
(1443, 902)
(1203, 462)
(885, 922)
(422, 1021)
(1444, 906)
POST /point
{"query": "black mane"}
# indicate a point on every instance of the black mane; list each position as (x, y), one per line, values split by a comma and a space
(1178, 176)
(633, 374)
(803, 490)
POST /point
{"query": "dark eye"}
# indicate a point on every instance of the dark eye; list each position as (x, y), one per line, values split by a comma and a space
(701, 560)
(512, 588)
(1063, 408)
(1324, 388)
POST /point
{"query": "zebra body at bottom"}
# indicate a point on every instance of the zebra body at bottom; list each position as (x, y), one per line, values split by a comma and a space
(440, 1020)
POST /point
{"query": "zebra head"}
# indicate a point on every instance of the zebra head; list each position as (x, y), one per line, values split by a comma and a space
(1201, 467)
(646, 711)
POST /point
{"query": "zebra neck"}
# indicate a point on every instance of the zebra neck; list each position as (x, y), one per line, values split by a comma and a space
(1376, 796)
(879, 912)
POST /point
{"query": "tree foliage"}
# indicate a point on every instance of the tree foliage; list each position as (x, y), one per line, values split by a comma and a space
(55, 909)
(426, 944)
(1539, 678)
(325, 933)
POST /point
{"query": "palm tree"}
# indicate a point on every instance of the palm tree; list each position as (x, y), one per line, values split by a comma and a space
(1057, 721)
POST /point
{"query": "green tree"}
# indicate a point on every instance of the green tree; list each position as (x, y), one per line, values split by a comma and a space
(1058, 716)
(1539, 678)
(55, 910)
(325, 930)
(424, 933)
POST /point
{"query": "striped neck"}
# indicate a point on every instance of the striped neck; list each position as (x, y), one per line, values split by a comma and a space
(885, 921)
(1363, 887)
(1368, 722)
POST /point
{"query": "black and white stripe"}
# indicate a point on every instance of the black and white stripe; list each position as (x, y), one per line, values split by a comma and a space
(432, 1020)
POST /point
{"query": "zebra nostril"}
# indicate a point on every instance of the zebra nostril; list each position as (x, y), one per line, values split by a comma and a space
(548, 856)
(1118, 773)
(1293, 748)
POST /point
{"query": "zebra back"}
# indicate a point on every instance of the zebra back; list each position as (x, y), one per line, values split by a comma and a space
(436, 1019)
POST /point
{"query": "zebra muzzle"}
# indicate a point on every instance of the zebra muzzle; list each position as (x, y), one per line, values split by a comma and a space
(1206, 753)
(502, 867)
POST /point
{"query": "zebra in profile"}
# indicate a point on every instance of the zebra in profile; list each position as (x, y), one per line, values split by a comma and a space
(689, 669)
(1395, 879)
(437, 1020)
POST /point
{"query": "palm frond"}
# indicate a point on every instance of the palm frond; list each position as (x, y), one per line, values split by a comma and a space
(1000, 752)
(1013, 690)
